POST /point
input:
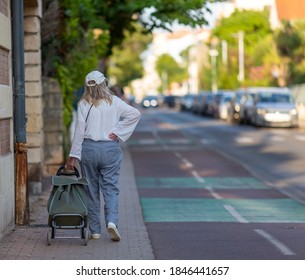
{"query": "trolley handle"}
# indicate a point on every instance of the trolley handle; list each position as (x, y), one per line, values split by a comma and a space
(61, 172)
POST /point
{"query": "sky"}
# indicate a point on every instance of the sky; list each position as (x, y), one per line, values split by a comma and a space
(216, 10)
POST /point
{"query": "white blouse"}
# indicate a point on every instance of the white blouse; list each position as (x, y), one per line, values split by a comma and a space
(118, 118)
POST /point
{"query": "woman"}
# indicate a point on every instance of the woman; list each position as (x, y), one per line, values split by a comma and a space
(102, 119)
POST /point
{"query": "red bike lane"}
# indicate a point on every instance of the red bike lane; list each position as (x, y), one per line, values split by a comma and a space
(199, 204)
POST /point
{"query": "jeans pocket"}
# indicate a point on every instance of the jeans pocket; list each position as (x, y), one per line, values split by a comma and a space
(114, 155)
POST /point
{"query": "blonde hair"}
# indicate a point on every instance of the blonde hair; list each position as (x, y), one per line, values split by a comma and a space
(97, 93)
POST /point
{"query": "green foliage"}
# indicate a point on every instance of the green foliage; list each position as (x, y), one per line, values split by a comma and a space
(262, 50)
(168, 66)
(288, 39)
(290, 42)
(167, 12)
(255, 27)
(70, 48)
(125, 63)
(120, 15)
(73, 50)
(72, 45)
(254, 24)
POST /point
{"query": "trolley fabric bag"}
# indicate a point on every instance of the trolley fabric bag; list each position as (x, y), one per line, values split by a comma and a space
(67, 204)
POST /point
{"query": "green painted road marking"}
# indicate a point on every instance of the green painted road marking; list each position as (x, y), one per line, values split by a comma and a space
(183, 210)
(190, 182)
(269, 210)
(150, 141)
(212, 210)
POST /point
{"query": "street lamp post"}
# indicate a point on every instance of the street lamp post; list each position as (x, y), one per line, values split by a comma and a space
(164, 79)
(241, 74)
(224, 51)
(213, 54)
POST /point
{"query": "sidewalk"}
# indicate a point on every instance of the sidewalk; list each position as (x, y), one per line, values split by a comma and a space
(30, 242)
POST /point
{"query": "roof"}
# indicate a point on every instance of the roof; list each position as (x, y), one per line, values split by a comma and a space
(290, 9)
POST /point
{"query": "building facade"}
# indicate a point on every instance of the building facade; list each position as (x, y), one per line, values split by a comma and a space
(7, 167)
(33, 92)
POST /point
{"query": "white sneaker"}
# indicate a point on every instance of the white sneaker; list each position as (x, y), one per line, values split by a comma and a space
(95, 236)
(113, 232)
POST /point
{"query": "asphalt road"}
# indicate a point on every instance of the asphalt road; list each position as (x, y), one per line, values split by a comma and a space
(211, 190)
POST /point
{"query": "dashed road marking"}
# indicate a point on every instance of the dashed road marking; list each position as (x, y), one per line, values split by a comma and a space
(147, 141)
(244, 140)
(277, 138)
(178, 155)
(198, 178)
(300, 137)
(275, 242)
(206, 141)
(235, 214)
(179, 141)
(187, 163)
(213, 193)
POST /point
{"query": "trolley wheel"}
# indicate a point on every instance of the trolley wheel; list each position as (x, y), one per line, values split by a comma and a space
(86, 239)
(49, 238)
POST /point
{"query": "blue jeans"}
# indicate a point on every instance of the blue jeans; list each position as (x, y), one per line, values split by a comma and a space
(100, 164)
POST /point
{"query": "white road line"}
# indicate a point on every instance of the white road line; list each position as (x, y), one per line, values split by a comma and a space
(184, 160)
(300, 137)
(187, 163)
(179, 141)
(205, 141)
(147, 141)
(244, 140)
(178, 155)
(213, 193)
(278, 244)
(196, 175)
(277, 138)
(235, 214)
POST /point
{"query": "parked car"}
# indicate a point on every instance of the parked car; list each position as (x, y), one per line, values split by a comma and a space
(196, 104)
(150, 101)
(213, 109)
(225, 105)
(242, 105)
(205, 103)
(212, 104)
(186, 102)
(274, 107)
(170, 101)
(247, 108)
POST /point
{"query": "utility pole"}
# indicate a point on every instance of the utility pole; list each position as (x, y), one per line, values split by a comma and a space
(241, 55)
(224, 51)
(213, 54)
(21, 190)
(164, 78)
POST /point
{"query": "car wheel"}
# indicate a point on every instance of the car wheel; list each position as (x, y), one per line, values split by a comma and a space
(254, 121)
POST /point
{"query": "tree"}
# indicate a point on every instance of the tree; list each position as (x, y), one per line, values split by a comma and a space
(169, 70)
(71, 45)
(265, 56)
(125, 62)
(255, 27)
(290, 41)
(254, 24)
(120, 15)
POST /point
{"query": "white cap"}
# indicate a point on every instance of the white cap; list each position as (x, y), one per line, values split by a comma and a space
(95, 78)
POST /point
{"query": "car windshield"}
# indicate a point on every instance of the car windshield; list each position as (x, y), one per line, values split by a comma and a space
(227, 98)
(273, 97)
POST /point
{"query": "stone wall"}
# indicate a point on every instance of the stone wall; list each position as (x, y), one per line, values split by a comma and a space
(53, 126)
(33, 91)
